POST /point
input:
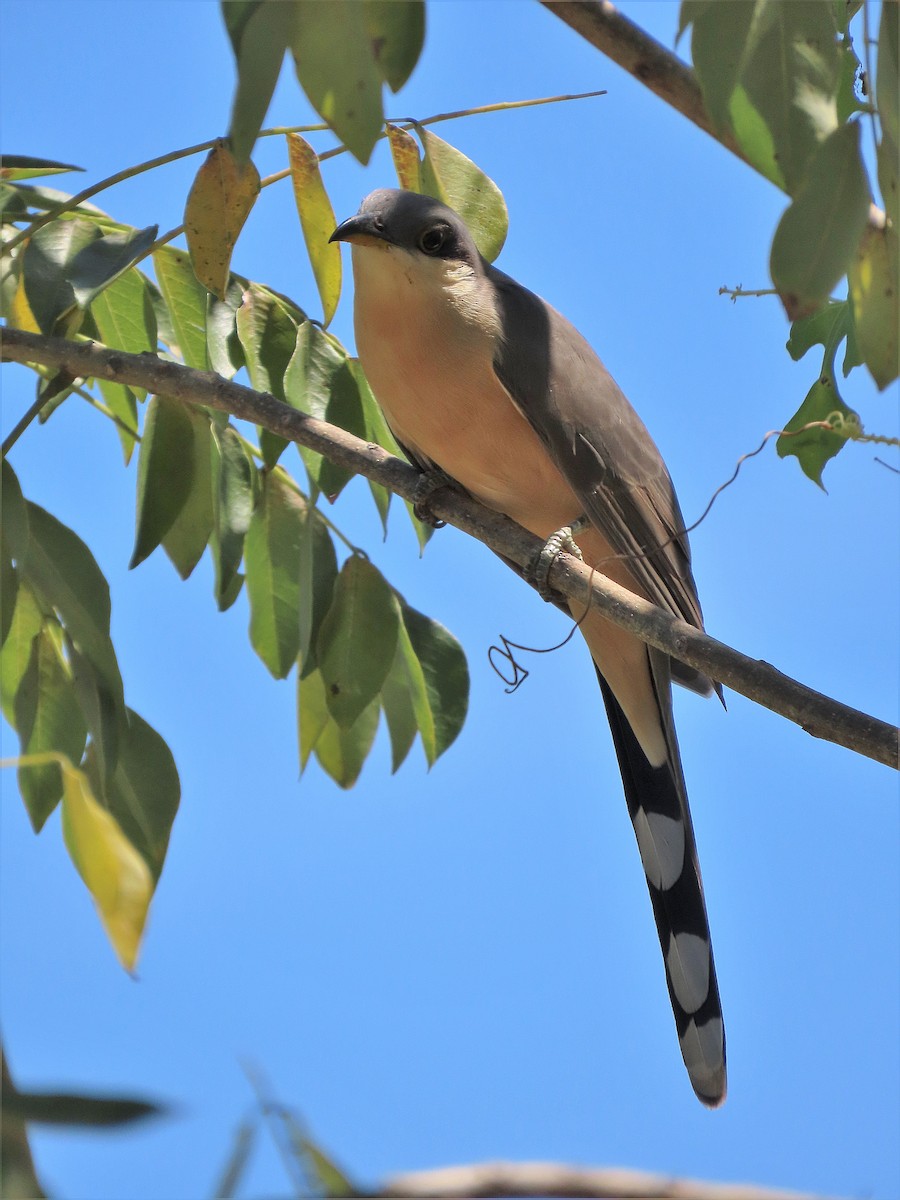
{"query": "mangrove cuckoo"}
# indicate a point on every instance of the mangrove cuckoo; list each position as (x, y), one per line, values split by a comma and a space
(482, 380)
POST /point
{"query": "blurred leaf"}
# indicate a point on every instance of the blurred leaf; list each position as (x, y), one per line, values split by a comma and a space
(105, 259)
(259, 37)
(446, 675)
(226, 355)
(451, 177)
(15, 656)
(792, 78)
(219, 202)
(396, 31)
(233, 507)
(405, 153)
(62, 569)
(186, 303)
(22, 166)
(143, 793)
(874, 280)
(317, 221)
(887, 92)
(47, 717)
(69, 1109)
(357, 639)
(165, 473)
(191, 530)
(333, 57)
(817, 236)
(236, 1166)
(18, 1180)
(112, 870)
(15, 513)
(323, 1174)
(317, 574)
(342, 752)
(824, 327)
(9, 587)
(46, 269)
(720, 39)
(847, 100)
(815, 447)
(272, 551)
(268, 333)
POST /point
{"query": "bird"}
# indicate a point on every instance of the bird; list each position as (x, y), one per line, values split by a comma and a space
(483, 382)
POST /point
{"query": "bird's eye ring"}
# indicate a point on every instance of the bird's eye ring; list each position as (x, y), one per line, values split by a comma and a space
(432, 239)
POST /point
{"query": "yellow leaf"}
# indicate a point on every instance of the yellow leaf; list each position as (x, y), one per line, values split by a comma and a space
(20, 315)
(405, 152)
(317, 221)
(873, 279)
(219, 203)
(112, 870)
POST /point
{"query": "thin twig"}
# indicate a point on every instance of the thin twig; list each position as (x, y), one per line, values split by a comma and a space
(819, 715)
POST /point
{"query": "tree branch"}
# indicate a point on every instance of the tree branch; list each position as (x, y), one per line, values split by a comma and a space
(817, 714)
(557, 1179)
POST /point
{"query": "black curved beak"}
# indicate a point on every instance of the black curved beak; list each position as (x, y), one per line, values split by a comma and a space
(356, 228)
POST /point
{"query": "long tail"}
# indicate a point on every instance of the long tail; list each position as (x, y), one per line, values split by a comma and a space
(657, 803)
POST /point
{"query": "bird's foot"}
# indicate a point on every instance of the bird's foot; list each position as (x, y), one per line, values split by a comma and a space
(430, 481)
(562, 540)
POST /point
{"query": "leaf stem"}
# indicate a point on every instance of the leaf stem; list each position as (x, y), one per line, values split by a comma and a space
(21, 425)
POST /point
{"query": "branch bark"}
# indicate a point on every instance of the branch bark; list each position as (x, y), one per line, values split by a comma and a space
(557, 1179)
(819, 715)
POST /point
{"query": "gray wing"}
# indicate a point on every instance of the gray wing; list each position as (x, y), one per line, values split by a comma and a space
(601, 447)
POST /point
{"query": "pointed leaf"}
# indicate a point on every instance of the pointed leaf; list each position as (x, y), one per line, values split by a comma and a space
(22, 166)
(272, 552)
(446, 675)
(112, 870)
(317, 221)
(185, 300)
(312, 713)
(122, 403)
(407, 709)
(817, 236)
(815, 447)
(105, 259)
(342, 752)
(15, 513)
(259, 44)
(405, 153)
(191, 530)
(165, 468)
(825, 327)
(9, 588)
(874, 285)
(27, 619)
(317, 574)
(268, 334)
(335, 66)
(887, 93)
(451, 177)
(46, 269)
(47, 718)
(344, 410)
(397, 33)
(233, 480)
(226, 355)
(244, 1141)
(124, 315)
(357, 640)
(219, 202)
(324, 1175)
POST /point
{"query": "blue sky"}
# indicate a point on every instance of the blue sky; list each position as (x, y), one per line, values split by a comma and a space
(461, 965)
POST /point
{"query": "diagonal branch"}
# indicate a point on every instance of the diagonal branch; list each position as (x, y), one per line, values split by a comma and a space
(817, 714)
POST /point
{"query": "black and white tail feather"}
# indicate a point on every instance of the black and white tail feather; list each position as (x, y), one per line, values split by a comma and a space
(657, 804)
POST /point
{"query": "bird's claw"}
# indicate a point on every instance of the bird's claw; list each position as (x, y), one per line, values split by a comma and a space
(429, 482)
(562, 540)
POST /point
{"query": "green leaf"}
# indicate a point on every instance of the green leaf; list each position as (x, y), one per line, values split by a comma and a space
(125, 317)
(874, 278)
(335, 66)
(219, 202)
(46, 270)
(719, 42)
(226, 355)
(143, 793)
(315, 360)
(817, 236)
(792, 79)
(357, 639)
(9, 587)
(268, 334)
(63, 571)
(342, 752)
(272, 551)
(105, 714)
(191, 530)
(233, 478)
(186, 303)
(122, 403)
(446, 675)
(317, 221)
(825, 327)
(848, 101)
(324, 1176)
(317, 575)
(105, 259)
(27, 620)
(15, 513)
(165, 468)
(887, 93)
(70, 1110)
(312, 713)
(112, 870)
(259, 37)
(396, 31)
(47, 717)
(244, 1140)
(815, 447)
(344, 410)
(454, 179)
(22, 166)
(404, 697)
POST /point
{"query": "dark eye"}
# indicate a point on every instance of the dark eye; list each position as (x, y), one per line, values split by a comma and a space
(431, 241)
